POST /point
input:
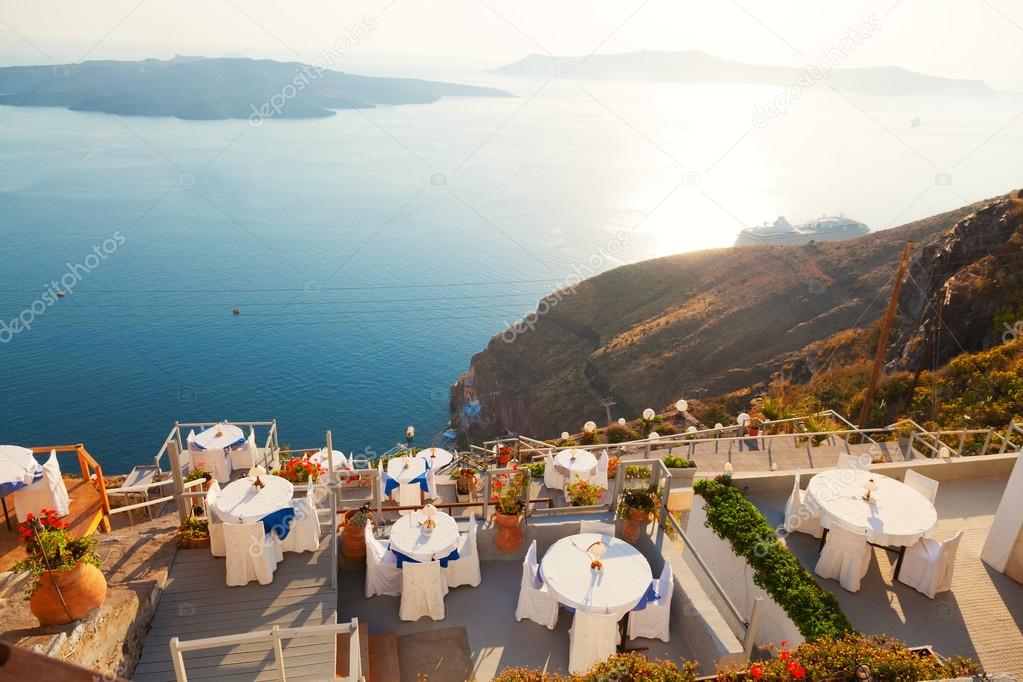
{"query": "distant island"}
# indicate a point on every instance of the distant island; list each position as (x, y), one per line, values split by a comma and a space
(200, 88)
(693, 66)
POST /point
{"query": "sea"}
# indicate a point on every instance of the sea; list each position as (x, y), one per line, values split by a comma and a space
(339, 273)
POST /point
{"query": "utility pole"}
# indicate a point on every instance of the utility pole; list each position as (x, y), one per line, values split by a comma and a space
(882, 343)
(607, 403)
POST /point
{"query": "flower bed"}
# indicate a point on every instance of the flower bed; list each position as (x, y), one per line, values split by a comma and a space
(618, 667)
(732, 517)
(300, 469)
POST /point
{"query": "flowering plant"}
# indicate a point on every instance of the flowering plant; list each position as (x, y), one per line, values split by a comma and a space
(300, 470)
(582, 493)
(510, 491)
(612, 466)
(48, 542)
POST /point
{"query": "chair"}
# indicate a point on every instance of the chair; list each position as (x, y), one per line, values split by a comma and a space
(600, 478)
(304, 534)
(591, 639)
(382, 573)
(601, 527)
(848, 460)
(465, 570)
(927, 565)
(431, 485)
(653, 620)
(250, 556)
(136, 486)
(409, 495)
(845, 558)
(245, 456)
(48, 492)
(422, 591)
(927, 487)
(215, 525)
(551, 478)
(798, 516)
(536, 602)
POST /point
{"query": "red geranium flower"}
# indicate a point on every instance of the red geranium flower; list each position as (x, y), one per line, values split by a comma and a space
(756, 671)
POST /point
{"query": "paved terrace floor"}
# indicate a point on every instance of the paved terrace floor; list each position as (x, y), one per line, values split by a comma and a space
(196, 603)
(981, 617)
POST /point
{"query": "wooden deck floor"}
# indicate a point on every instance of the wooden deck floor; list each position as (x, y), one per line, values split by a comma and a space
(196, 603)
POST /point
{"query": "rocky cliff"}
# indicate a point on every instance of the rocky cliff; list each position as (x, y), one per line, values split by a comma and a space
(711, 322)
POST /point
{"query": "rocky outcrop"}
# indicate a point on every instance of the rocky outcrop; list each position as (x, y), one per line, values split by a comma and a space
(710, 322)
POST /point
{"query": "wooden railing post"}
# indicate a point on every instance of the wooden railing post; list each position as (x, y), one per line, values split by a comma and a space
(174, 456)
(179, 661)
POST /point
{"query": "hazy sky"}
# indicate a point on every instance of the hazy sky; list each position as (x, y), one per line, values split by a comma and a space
(960, 38)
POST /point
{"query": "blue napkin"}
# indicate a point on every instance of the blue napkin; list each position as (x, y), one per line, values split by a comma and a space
(443, 562)
(279, 522)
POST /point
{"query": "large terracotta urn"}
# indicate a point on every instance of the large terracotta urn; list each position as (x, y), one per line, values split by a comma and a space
(83, 588)
(634, 524)
(509, 532)
(353, 539)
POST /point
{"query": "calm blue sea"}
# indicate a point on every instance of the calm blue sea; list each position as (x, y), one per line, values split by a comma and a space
(372, 253)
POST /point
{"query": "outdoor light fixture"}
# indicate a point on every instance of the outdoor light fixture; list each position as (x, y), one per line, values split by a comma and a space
(649, 414)
(944, 452)
(729, 468)
(682, 405)
(654, 435)
(621, 420)
(565, 435)
(589, 427)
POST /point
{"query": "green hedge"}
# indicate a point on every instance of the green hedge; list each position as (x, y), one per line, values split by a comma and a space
(734, 518)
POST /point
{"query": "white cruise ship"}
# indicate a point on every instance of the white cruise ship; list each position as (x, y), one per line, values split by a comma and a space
(825, 228)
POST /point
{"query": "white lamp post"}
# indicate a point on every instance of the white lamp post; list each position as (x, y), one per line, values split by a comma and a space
(565, 435)
(649, 414)
(621, 421)
(682, 405)
(590, 427)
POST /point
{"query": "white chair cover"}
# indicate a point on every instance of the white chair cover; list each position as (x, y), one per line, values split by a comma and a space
(422, 591)
(601, 527)
(246, 456)
(591, 639)
(551, 478)
(927, 566)
(382, 573)
(216, 526)
(654, 621)
(927, 487)
(465, 570)
(600, 478)
(304, 535)
(250, 556)
(49, 492)
(845, 558)
(799, 518)
(536, 602)
(409, 495)
(380, 480)
(431, 485)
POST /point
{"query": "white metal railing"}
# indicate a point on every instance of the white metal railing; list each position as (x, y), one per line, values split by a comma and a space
(274, 637)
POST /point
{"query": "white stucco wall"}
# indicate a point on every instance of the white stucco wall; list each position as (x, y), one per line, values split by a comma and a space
(1007, 522)
(736, 578)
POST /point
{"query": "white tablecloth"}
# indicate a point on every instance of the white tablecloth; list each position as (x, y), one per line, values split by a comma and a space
(896, 516)
(615, 589)
(437, 457)
(341, 462)
(408, 537)
(241, 502)
(576, 464)
(17, 466)
(216, 462)
(229, 434)
(396, 468)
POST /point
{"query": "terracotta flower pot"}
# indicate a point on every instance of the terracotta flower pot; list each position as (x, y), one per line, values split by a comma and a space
(509, 532)
(353, 540)
(634, 525)
(83, 587)
(197, 543)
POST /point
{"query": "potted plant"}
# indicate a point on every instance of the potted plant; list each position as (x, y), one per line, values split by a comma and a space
(465, 484)
(903, 431)
(504, 455)
(194, 533)
(509, 495)
(682, 470)
(582, 493)
(66, 581)
(353, 534)
(300, 470)
(197, 473)
(637, 508)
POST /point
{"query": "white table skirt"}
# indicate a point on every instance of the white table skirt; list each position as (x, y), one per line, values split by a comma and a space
(896, 516)
(408, 537)
(437, 457)
(396, 468)
(216, 462)
(241, 502)
(616, 589)
(576, 464)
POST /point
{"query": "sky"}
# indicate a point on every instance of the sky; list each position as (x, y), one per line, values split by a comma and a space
(980, 39)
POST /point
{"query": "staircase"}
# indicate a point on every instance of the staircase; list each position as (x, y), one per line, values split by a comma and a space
(379, 655)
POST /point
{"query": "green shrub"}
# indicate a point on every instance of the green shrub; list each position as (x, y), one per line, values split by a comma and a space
(637, 471)
(536, 469)
(588, 438)
(619, 433)
(734, 518)
(676, 462)
(618, 667)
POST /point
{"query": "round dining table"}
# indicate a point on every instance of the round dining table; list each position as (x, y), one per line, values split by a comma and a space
(242, 502)
(436, 457)
(18, 468)
(574, 463)
(409, 538)
(614, 589)
(219, 437)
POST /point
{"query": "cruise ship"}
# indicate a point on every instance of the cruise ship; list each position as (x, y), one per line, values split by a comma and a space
(825, 228)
